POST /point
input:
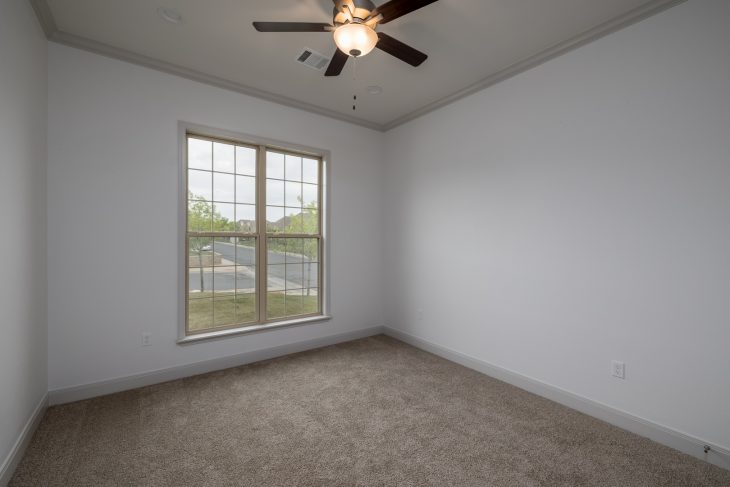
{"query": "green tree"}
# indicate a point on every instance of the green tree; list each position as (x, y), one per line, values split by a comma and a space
(203, 217)
(307, 222)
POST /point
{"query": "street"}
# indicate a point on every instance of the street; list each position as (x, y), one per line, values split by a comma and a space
(237, 271)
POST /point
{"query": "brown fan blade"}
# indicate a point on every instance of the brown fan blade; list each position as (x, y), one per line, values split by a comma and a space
(292, 27)
(338, 62)
(398, 8)
(396, 48)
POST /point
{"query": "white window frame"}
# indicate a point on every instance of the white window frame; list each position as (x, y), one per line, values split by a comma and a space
(184, 130)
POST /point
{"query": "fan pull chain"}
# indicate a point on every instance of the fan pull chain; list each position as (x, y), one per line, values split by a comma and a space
(354, 83)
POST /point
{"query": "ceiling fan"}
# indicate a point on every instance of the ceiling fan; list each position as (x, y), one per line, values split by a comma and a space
(354, 25)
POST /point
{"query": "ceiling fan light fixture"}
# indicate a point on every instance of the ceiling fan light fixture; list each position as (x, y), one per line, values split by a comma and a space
(353, 26)
(355, 39)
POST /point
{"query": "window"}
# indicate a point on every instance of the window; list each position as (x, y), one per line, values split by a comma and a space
(253, 235)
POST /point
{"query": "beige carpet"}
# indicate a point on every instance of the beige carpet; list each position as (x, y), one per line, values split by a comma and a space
(373, 412)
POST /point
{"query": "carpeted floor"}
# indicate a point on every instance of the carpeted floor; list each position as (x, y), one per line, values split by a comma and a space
(373, 412)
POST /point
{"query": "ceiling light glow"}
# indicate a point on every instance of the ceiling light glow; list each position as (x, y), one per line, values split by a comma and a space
(355, 39)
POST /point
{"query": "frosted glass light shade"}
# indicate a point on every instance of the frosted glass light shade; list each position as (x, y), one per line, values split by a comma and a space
(355, 39)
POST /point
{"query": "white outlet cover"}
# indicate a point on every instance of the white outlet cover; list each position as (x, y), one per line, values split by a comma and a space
(146, 339)
(618, 369)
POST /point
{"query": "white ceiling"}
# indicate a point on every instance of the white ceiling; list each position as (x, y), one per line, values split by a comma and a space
(468, 41)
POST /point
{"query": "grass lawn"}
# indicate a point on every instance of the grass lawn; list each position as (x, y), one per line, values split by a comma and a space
(206, 312)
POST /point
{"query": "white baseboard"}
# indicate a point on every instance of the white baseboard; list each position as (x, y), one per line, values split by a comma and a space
(672, 438)
(10, 462)
(86, 391)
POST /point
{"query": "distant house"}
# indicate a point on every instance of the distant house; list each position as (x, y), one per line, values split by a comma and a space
(247, 226)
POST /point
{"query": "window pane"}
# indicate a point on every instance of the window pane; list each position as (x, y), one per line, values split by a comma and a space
(310, 222)
(198, 249)
(200, 314)
(200, 154)
(276, 249)
(224, 217)
(200, 216)
(294, 275)
(310, 275)
(274, 165)
(276, 277)
(200, 261)
(310, 171)
(246, 161)
(274, 192)
(293, 302)
(245, 189)
(246, 218)
(223, 187)
(310, 249)
(245, 308)
(310, 301)
(293, 168)
(275, 305)
(200, 282)
(224, 280)
(294, 250)
(200, 185)
(224, 311)
(293, 220)
(224, 251)
(310, 196)
(223, 157)
(195, 274)
(245, 279)
(275, 221)
(246, 251)
(293, 194)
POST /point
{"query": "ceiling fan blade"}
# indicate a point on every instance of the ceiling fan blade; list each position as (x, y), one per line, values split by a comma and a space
(398, 8)
(338, 62)
(292, 27)
(396, 48)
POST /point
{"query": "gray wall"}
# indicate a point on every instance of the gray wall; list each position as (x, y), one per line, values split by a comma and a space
(23, 88)
(577, 214)
(112, 195)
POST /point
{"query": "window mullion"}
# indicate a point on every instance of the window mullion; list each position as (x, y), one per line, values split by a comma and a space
(320, 233)
(261, 265)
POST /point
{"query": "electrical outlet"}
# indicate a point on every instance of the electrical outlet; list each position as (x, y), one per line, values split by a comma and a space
(618, 369)
(146, 339)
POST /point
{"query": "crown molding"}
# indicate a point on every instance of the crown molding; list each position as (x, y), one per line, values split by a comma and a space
(96, 47)
(45, 17)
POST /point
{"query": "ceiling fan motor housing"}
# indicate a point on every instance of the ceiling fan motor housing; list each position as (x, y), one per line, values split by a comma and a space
(360, 9)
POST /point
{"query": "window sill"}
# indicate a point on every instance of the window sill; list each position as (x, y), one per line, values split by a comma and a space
(214, 335)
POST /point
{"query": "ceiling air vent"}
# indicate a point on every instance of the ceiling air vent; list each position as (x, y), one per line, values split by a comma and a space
(313, 59)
